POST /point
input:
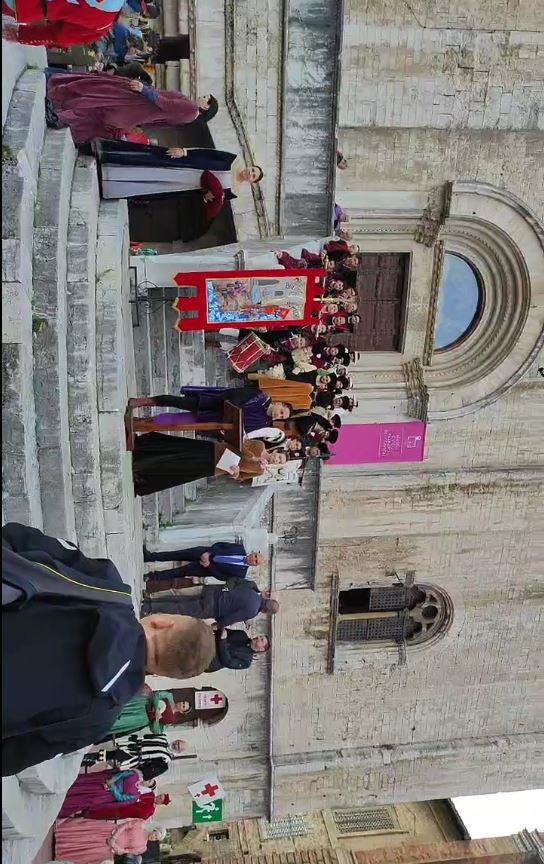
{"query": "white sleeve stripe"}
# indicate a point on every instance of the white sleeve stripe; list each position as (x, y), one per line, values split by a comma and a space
(66, 543)
(117, 675)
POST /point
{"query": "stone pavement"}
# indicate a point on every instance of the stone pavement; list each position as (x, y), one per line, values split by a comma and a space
(68, 368)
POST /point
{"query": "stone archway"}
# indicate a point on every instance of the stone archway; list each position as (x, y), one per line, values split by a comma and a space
(504, 240)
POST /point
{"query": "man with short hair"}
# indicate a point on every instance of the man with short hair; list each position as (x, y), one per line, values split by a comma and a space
(222, 560)
(236, 650)
(73, 651)
(238, 600)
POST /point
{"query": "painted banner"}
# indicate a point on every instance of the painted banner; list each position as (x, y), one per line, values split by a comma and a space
(254, 298)
(368, 443)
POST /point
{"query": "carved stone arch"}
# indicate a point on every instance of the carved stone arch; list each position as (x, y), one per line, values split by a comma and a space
(504, 241)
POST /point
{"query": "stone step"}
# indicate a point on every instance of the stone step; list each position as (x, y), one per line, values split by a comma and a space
(15, 59)
(117, 380)
(23, 133)
(81, 350)
(30, 804)
(49, 301)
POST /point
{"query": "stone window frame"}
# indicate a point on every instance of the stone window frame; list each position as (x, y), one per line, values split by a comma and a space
(402, 650)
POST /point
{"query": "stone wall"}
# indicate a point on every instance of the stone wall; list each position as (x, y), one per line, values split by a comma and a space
(273, 67)
(469, 521)
(442, 92)
(420, 822)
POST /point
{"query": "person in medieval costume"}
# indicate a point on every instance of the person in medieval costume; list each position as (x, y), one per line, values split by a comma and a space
(139, 171)
(97, 105)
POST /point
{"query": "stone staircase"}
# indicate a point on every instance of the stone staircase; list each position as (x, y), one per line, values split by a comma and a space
(67, 368)
(165, 360)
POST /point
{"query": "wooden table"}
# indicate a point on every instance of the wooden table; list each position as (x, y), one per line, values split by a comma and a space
(232, 426)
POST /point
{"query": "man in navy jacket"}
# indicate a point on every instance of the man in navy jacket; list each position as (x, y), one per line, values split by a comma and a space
(73, 651)
(238, 600)
(236, 650)
(223, 561)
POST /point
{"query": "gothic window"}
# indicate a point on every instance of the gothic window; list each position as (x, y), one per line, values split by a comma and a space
(460, 302)
(367, 820)
(392, 613)
(278, 829)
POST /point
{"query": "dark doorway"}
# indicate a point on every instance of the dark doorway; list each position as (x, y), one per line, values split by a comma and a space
(382, 285)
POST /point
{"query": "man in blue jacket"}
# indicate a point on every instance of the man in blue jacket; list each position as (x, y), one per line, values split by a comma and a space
(221, 560)
(73, 651)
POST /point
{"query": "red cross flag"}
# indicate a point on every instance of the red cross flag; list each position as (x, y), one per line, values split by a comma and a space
(209, 789)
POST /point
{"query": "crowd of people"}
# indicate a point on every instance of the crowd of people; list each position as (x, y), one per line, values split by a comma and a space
(69, 628)
(84, 654)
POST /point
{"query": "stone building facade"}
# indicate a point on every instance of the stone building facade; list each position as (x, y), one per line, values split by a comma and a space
(524, 848)
(440, 116)
(338, 832)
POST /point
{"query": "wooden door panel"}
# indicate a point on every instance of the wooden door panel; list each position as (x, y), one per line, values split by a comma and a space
(381, 286)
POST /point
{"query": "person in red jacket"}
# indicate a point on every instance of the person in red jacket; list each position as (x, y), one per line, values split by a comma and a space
(66, 23)
(143, 808)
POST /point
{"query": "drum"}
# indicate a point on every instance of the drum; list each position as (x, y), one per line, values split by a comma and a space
(247, 352)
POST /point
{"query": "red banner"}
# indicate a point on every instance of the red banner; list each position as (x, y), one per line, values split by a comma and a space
(249, 298)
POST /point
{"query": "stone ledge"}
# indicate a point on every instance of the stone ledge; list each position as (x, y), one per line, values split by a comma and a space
(52, 777)
(81, 352)
(111, 260)
(21, 500)
(49, 314)
(22, 144)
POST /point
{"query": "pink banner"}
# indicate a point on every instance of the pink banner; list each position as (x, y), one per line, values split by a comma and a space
(366, 443)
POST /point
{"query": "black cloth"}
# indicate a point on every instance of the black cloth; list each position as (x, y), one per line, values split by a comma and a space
(71, 657)
(234, 652)
(135, 71)
(306, 377)
(304, 423)
(219, 571)
(163, 461)
(324, 399)
(168, 217)
(172, 48)
(238, 600)
(346, 275)
(153, 156)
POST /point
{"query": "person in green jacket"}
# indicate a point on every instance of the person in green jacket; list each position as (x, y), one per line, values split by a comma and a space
(151, 708)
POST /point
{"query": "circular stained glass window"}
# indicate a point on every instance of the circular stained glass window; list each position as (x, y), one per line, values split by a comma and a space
(459, 304)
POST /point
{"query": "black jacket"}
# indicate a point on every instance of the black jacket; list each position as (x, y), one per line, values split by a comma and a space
(73, 652)
(237, 600)
(234, 652)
